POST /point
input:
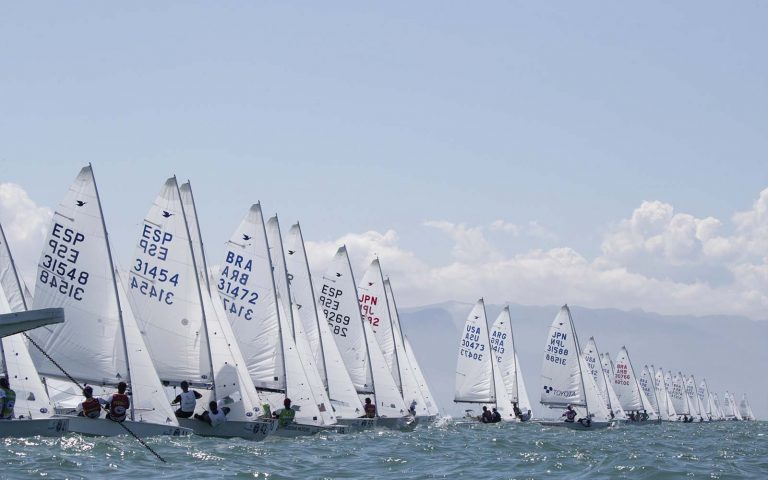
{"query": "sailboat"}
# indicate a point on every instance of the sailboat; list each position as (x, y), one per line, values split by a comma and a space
(345, 403)
(730, 409)
(602, 374)
(648, 386)
(302, 378)
(33, 409)
(745, 408)
(666, 408)
(705, 397)
(697, 408)
(379, 310)
(477, 376)
(566, 378)
(430, 405)
(357, 344)
(187, 335)
(508, 368)
(631, 396)
(677, 394)
(100, 343)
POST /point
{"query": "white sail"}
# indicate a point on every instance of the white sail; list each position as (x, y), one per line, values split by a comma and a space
(233, 386)
(15, 362)
(409, 382)
(523, 402)
(474, 369)
(626, 386)
(164, 293)
(426, 393)
(327, 416)
(355, 339)
(648, 388)
(506, 362)
(745, 409)
(247, 291)
(596, 408)
(76, 272)
(677, 393)
(689, 390)
(703, 393)
(608, 371)
(303, 295)
(298, 368)
(375, 310)
(561, 374)
(595, 368)
(666, 380)
(341, 310)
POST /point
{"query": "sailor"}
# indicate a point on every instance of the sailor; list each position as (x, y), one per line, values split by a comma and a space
(516, 409)
(7, 399)
(496, 416)
(644, 416)
(487, 416)
(118, 404)
(90, 407)
(286, 414)
(215, 415)
(586, 421)
(370, 409)
(570, 414)
(412, 408)
(187, 401)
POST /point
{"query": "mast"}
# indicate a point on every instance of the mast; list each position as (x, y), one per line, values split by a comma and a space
(394, 343)
(197, 282)
(287, 279)
(13, 266)
(578, 357)
(492, 356)
(114, 285)
(314, 310)
(514, 352)
(655, 395)
(277, 298)
(199, 237)
(362, 323)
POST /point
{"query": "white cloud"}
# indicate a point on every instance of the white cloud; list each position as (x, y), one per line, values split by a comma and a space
(657, 259)
(25, 224)
(531, 229)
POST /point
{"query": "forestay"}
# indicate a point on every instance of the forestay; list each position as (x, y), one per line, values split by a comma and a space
(474, 369)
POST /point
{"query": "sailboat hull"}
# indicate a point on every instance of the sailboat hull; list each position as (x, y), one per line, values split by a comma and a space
(256, 430)
(300, 430)
(577, 425)
(44, 427)
(357, 424)
(107, 428)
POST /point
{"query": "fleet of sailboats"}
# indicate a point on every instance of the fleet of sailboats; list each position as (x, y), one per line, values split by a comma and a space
(258, 330)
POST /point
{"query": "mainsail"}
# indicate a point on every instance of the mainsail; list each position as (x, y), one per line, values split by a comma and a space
(475, 367)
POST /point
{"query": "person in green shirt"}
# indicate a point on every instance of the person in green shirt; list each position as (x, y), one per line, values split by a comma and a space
(285, 415)
(7, 399)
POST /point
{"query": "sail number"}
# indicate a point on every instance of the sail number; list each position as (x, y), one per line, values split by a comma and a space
(159, 294)
(336, 321)
(622, 374)
(159, 274)
(471, 347)
(153, 243)
(367, 302)
(59, 265)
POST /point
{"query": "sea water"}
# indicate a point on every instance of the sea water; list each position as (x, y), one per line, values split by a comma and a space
(445, 450)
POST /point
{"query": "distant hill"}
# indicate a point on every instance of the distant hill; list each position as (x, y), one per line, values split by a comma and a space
(726, 350)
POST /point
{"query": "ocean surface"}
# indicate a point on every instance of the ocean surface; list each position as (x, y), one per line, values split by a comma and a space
(720, 450)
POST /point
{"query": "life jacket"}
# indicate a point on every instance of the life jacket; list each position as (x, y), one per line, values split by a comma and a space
(9, 402)
(286, 416)
(570, 415)
(370, 410)
(91, 408)
(217, 418)
(188, 401)
(118, 407)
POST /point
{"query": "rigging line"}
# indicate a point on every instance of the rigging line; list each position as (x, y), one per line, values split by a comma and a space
(45, 354)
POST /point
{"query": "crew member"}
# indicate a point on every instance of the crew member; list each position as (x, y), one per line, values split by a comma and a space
(487, 416)
(496, 416)
(90, 407)
(286, 414)
(118, 404)
(187, 401)
(215, 415)
(370, 408)
(7, 399)
(570, 414)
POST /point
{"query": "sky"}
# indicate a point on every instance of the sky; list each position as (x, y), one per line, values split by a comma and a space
(595, 153)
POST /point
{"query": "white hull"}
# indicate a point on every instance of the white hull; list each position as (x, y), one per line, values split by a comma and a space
(641, 423)
(357, 424)
(107, 428)
(426, 420)
(44, 427)
(300, 430)
(577, 425)
(255, 430)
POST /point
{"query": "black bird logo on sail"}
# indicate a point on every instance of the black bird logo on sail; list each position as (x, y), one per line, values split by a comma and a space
(167, 214)
(370, 284)
(246, 237)
(338, 274)
(79, 203)
(291, 252)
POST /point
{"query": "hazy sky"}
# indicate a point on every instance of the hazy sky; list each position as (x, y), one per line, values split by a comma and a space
(596, 153)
